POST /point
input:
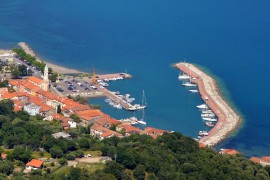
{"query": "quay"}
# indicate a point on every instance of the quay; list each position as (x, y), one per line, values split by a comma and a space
(228, 119)
(114, 97)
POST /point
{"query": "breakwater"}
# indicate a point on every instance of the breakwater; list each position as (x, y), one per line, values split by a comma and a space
(228, 119)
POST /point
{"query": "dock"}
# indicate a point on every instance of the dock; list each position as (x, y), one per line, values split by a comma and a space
(228, 119)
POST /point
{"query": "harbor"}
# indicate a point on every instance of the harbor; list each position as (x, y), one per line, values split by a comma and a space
(227, 119)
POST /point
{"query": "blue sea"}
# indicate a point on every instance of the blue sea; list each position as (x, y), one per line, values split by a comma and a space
(144, 38)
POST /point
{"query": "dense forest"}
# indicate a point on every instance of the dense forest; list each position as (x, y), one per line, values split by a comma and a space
(170, 156)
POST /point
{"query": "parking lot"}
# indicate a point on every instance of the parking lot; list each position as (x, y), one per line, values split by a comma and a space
(71, 86)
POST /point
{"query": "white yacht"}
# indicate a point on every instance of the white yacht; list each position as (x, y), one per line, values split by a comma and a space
(193, 90)
(203, 133)
(202, 106)
(189, 84)
(209, 119)
(207, 112)
(183, 76)
(208, 115)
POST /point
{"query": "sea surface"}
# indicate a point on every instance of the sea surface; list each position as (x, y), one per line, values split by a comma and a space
(144, 38)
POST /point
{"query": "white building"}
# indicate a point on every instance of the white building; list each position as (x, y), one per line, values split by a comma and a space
(32, 109)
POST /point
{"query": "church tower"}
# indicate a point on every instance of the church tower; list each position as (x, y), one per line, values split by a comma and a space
(45, 83)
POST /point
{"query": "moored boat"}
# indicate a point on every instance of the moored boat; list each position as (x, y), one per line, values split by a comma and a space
(202, 106)
(193, 90)
(209, 124)
(209, 119)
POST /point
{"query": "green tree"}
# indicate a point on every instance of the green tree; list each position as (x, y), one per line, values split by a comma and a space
(6, 167)
(74, 173)
(114, 168)
(139, 172)
(22, 153)
(84, 143)
(75, 118)
(56, 152)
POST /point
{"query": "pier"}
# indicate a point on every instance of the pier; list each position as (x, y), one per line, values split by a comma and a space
(228, 119)
(114, 97)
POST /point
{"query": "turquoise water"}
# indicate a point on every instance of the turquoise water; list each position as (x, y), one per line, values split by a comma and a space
(231, 38)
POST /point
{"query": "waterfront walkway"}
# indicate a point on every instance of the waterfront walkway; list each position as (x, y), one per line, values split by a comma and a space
(228, 120)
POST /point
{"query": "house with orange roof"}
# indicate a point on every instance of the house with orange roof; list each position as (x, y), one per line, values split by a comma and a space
(153, 132)
(9, 95)
(33, 164)
(255, 160)
(106, 121)
(89, 116)
(102, 132)
(228, 151)
(34, 80)
(66, 122)
(128, 129)
(18, 105)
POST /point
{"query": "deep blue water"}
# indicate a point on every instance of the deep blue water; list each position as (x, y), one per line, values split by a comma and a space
(231, 38)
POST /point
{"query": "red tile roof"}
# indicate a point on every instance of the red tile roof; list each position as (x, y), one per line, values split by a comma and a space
(35, 79)
(107, 134)
(228, 151)
(89, 114)
(255, 160)
(106, 121)
(129, 128)
(9, 95)
(201, 145)
(60, 117)
(35, 163)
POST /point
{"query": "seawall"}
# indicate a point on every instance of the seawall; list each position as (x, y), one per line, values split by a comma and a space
(228, 119)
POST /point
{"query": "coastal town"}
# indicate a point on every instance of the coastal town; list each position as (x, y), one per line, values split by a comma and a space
(62, 102)
(36, 95)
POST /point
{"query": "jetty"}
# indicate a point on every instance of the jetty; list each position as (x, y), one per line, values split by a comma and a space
(228, 119)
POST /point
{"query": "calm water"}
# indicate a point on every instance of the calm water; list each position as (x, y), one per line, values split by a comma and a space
(231, 38)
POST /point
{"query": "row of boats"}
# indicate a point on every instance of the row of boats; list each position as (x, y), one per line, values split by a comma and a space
(206, 114)
(113, 79)
(133, 120)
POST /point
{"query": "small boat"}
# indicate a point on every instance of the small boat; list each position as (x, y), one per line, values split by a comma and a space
(202, 106)
(203, 133)
(209, 119)
(208, 115)
(189, 84)
(207, 112)
(209, 124)
(193, 90)
(142, 122)
(183, 76)
(199, 137)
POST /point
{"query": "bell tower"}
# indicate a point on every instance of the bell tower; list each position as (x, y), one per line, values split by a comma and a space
(45, 83)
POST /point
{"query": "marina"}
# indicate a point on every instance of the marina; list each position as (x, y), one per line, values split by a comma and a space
(227, 120)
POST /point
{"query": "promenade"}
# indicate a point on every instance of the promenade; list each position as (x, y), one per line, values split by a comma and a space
(228, 119)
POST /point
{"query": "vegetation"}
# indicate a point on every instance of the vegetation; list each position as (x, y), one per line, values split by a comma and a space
(170, 156)
(22, 69)
(29, 59)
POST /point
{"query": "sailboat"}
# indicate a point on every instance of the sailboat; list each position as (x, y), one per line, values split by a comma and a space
(138, 106)
(142, 120)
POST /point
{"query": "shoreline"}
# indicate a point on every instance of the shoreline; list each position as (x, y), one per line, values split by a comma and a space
(228, 119)
(56, 68)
